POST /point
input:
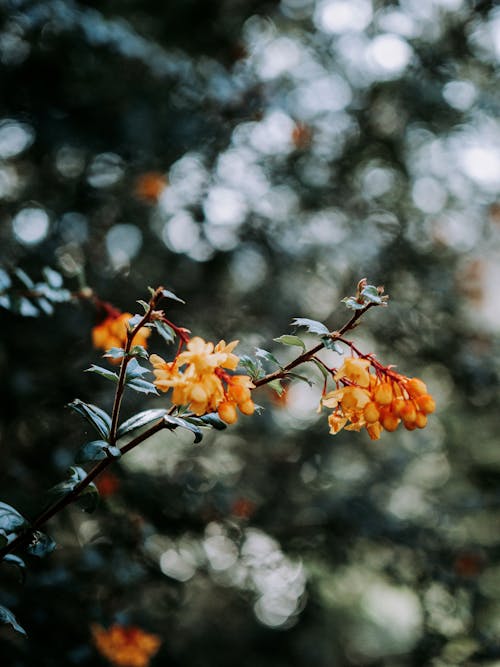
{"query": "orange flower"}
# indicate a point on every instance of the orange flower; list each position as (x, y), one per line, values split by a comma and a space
(112, 332)
(376, 401)
(149, 186)
(125, 646)
(199, 379)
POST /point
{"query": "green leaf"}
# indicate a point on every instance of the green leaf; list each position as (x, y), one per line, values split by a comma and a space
(323, 370)
(352, 303)
(291, 340)
(277, 386)
(139, 351)
(97, 450)
(182, 423)
(114, 353)
(105, 372)
(166, 332)
(170, 295)
(24, 278)
(7, 617)
(5, 281)
(26, 308)
(142, 386)
(12, 559)
(134, 321)
(53, 278)
(135, 370)
(10, 519)
(301, 377)
(89, 496)
(331, 344)
(313, 326)
(3, 539)
(371, 294)
(99, 419)
(45, 305)
(264, 354)
(139, 420)
(212, 419)
(41, 545)
(253, 367)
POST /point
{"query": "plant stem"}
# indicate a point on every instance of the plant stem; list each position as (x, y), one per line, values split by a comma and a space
(309, 354)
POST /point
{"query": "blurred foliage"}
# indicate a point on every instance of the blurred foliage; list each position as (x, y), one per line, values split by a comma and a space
(258, 158)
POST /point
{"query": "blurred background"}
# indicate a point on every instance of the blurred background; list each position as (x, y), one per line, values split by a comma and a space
(258, 158)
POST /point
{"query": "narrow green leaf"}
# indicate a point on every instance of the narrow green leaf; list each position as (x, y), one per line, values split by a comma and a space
(323, 370)
(139, 420)
(24, 278)
(313, 326)
(290, 340)
(45, 305)
(105, 372)
(41, 545)
(182, 423)
(135, 370)
(10, 519)
(277, 386)
(97, 450)
(99, 419)
(301, 377)
(212, 419)
(166, 332)
(142, 386)
(264, 354)
(170, 295)
(7, 617)
(144, 304)
(89, 496)
(12, 559)
(139, 351)
(26, 308)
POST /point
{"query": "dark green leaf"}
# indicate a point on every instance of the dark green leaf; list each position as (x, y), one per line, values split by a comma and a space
(144, 304)
(352, 303)
(290, 340)
(41, 545)
(5, 281)
(89, 496)
(26, 308)
(139, 420)
(313, 326)
(12, 559)
(97, 450)
(6, 616)
(277, 386)
(182, 423)
(212, 419)
(135, 370)
(264, 354)
(142, 386)
(301, 377)
(24, 278)
(53, 278)
(3, 539)
(134, 321)
(45, 306)
(331, 344)
(114, 353)
(253, 367)
(99, 419)
(166, 332)
(323, 370)
(105, 372)
(10, 519)
(5, 301)
(170, 295)
(139, 351)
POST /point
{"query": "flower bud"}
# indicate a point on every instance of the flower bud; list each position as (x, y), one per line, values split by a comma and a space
(371, 413)
(247, 407)
(227, 412)
(415, 387)
(383, 393)
(426, 404)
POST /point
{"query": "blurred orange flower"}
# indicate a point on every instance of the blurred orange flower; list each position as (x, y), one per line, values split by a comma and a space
(125, 646)
(112, 332)
(149, 186)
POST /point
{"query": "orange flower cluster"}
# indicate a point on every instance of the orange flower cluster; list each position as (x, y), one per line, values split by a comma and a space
(377, 401)
(199, 379)
(125, 646)
(112, 332)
